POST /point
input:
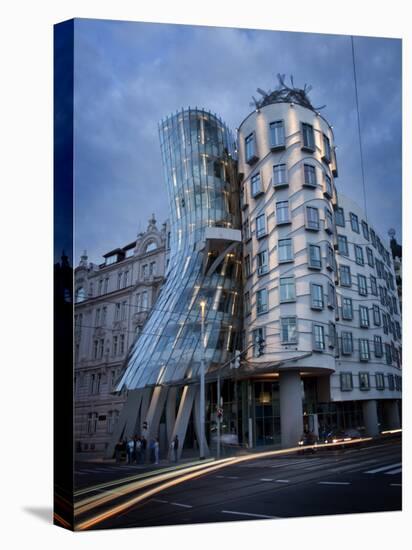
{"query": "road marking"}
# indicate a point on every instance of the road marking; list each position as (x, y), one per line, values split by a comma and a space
(160, 500)
(232, 477)
(282, 480)
(395, 484)
(393, 472)
(250, 515)
(266, 479)
(182, 505)
(376, 470)
(333, 483)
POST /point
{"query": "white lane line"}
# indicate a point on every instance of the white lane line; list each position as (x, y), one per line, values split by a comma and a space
(376, 470)
(266, 479)
(248, 514)
(282, 480)
(182, 505)
(220, 477)
(333, 483)
(395, 484)
(159, 500)
(393, 472)
(232, 477)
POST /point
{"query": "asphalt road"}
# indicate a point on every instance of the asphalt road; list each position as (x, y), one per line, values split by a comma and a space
(343, 481)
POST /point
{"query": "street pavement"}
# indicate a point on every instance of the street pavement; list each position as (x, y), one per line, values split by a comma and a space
(360, 479)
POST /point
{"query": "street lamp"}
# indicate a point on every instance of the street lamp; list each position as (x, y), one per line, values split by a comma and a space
(202, 385)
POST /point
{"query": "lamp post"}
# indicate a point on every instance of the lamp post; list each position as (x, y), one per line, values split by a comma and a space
(202, 385)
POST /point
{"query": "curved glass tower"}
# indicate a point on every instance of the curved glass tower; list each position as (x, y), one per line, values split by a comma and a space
(205, 259)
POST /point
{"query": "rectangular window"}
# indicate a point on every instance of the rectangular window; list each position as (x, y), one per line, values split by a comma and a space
(125, 278)
(395, 305)
(100, 288)
(280, 175)
(326, 149)
(117, 312)
(329, 227)
(346, 381)
(391, 382)
(282, 212)
(373, 238)
(369, 256)
(309, 175)
(380, 381)
(331, 334)
(374, 286)
(124, 306)
(97, 318)
(104, 315)
(363, 349)
(95, 348)
(347, 343)
(106, 285)
(376, 315)
(260, 226)
(288, 330)
(385, 323)
(318, 336)
(328, 187)
(347, 309)
(362, 285)
(377, 345)
(287, 289)
(256, 188)
(114, 345)
(121, 344)
(331, 296)
(330, 257)
(262, 262)
(258, 341)
(247, 266)
(314, 257)
(388, 354)
(261, 301)
(365, 230)
(312, 218)
(345, 275)
(308, 137)
(247, 303)
(316, 296)
(145, 271)
(285, 251)
(250, 149)
(363, 317)
(364, 384)
(340, 217)
(277, 134)
(246, 230)
(343, 245)
(398, 330)
(119, 280)
(354, 222)
(359, 255)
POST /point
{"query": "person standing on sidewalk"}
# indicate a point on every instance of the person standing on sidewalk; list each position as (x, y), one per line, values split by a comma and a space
(143, 448)
(175, 448)
(130, 451)
(138, 450)
(156, 450)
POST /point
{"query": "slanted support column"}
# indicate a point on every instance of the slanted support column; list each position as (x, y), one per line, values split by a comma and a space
(197, 425)
(155, 411)
(291, 410)
(183, 416)
(392, 412)
(370, 417)
(171, 412)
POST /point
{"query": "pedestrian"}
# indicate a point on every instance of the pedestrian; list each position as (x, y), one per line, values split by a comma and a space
(156, 450)
(118, 451)
(175, 448)
(151, 451)
(143, 448)
(138, 450)
(130, 451)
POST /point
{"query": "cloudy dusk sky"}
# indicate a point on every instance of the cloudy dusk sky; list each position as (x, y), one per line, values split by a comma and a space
(128, 76)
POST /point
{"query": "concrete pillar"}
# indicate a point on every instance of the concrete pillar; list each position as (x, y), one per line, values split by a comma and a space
(392, 414)
(370, 417)
(291, 411)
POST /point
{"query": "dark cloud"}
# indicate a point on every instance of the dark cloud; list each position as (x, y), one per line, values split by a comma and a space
(128, 76)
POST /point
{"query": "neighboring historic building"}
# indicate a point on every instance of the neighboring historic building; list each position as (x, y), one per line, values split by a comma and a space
(112, 302)
(396, 250)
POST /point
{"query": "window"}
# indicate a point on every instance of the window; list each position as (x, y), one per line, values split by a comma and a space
(312, 218)
(117, 312)
(373, 237)
(247, 303)
(246, 230)
(145, 301)
(380, 381)
(385, 323)
(398, 330)
(343, 245)
(145, 271)
(347, 309)
(362, 285)
(288, 330)
(328, 187)
(346, 382)
(363, 349)
(101, 348)
(285, 252)
(365, 230)
(250, 149)
(112, 418)
(308, 137)
(125, 278)
(309, 172)
(104, 315)
(282, 212)
(398, 383)
(374, 286)
(152, 269)
(258, 341)
(121, 345)
(330, 257)
(394, 305)
(354, 222)
(318, 336)
(345, 275)
(247, 266)
(377, 346)
(391, 382)
(376, 315)
(388, 354)
(329, 228)
(100, 287)
(280, 175)
(261, 301)
(287, 289)
(331, 334)
(363, 317)
(326, 149)
(262, 262)
(359, 255)
(340, 217)
(369, 256)
(95, 348)
(111, 259)
(119, 280)
(364, 384)
(331, 296)
(97, 317)
(347, 343)
(124, 306)
(80, 295)
(106, 285)
(316, 296)
(114, 345)
(255, 185)
(277, 134)
(260, 226)
(314, 257)
(91, 423)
